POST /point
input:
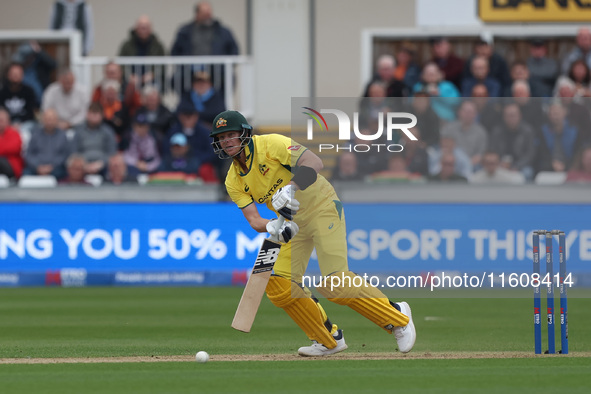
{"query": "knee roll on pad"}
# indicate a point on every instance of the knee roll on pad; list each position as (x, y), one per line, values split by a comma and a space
(365, 300)
(302, 309)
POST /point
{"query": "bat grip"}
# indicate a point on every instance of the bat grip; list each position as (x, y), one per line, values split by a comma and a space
(279, 224)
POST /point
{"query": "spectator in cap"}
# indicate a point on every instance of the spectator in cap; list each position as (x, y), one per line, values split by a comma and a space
(451, 65)
(543, 70)
(179, 158)
(197, 134)
(142, 155)
(204, 97)
(582, 50)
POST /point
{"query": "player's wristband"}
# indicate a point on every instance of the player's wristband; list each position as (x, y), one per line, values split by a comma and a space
(304, 177)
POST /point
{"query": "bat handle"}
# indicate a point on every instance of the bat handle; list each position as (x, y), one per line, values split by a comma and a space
(279, 224)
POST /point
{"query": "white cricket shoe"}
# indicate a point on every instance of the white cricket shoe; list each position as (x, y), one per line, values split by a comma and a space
(407, 335)
(318, 349)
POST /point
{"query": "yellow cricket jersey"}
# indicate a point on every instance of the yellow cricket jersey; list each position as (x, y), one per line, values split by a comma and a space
(270, 159)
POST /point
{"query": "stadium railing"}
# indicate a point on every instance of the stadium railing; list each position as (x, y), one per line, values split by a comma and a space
(173, 72)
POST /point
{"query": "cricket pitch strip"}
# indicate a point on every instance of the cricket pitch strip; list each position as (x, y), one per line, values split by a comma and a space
(288, 357)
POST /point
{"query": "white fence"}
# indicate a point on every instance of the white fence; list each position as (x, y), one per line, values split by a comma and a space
(233, 75)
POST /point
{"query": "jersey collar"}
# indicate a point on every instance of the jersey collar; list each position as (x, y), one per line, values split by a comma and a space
(249, 152)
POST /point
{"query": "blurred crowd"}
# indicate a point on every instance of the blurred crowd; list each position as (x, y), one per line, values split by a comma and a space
(480, 119)
(119, 130)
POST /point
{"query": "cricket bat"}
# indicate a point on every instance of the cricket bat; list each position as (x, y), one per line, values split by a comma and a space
(257, 283)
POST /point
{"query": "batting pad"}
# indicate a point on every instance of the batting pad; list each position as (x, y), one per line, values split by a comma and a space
(365, 300)
(301, 308)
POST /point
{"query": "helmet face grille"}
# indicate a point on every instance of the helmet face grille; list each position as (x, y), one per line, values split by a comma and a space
(245, 138)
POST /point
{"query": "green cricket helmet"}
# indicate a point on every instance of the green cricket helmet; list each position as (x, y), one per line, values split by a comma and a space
(230, 121)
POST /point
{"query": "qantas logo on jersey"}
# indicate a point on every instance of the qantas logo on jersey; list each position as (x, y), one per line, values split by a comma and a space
(271, 191)
(263, 169)
(294, 147)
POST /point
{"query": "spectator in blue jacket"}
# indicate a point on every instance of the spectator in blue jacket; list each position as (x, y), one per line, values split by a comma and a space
(204, 97)
(445, 98)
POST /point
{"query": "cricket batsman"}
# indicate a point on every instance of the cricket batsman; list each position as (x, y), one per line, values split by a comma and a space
(274, 170)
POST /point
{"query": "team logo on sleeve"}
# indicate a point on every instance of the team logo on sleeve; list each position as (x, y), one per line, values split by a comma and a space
(263, 169)
(246, 188)
(294, 147)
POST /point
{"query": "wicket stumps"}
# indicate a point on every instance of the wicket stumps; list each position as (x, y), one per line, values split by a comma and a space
(548, 280)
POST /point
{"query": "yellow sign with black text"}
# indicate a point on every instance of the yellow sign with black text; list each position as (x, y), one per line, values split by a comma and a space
(534, 10)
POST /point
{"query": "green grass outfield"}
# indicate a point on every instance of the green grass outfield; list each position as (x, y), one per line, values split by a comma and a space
(150, 324)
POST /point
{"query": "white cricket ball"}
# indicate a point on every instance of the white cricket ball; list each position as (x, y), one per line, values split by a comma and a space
(202, 357)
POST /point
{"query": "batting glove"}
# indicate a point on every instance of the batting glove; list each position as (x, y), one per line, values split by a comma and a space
(283, 233)
(285, 203)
